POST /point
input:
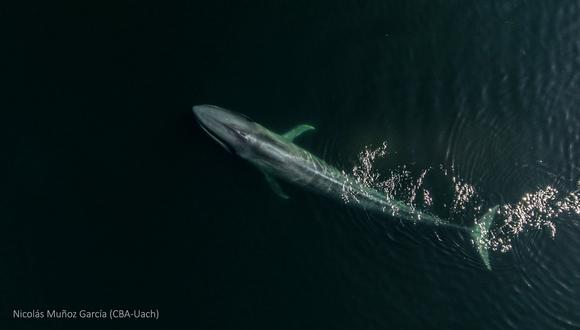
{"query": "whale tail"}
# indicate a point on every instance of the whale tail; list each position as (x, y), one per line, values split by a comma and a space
(479, 234)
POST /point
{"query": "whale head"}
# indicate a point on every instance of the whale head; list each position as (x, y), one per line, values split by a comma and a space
(233, 131)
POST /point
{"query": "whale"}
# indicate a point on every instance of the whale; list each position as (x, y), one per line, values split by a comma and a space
(280, 159)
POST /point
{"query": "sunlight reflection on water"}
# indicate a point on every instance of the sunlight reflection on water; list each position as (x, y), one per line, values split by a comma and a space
(534, 211)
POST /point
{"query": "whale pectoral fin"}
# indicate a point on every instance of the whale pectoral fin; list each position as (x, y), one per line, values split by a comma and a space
(275, 186)
(297, 131)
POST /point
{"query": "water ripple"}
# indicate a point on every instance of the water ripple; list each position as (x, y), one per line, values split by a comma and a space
(534, 211)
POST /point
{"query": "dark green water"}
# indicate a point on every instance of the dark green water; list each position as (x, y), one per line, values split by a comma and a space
(112, 196)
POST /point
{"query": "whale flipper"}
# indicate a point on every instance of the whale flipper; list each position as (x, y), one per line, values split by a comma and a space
(275, 186)
(297, 131)
(479, 234)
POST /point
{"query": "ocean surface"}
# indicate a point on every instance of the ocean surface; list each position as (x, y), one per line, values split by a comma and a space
(114, 197)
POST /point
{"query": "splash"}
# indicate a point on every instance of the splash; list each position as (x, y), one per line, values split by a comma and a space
(571, 203)
(417, 186)
(536, 210)
(463, 194)
(396, 181)
(427, 199)
(363, 173)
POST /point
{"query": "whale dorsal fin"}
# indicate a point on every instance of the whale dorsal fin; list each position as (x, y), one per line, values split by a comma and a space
(275, 186)
(297, 131)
